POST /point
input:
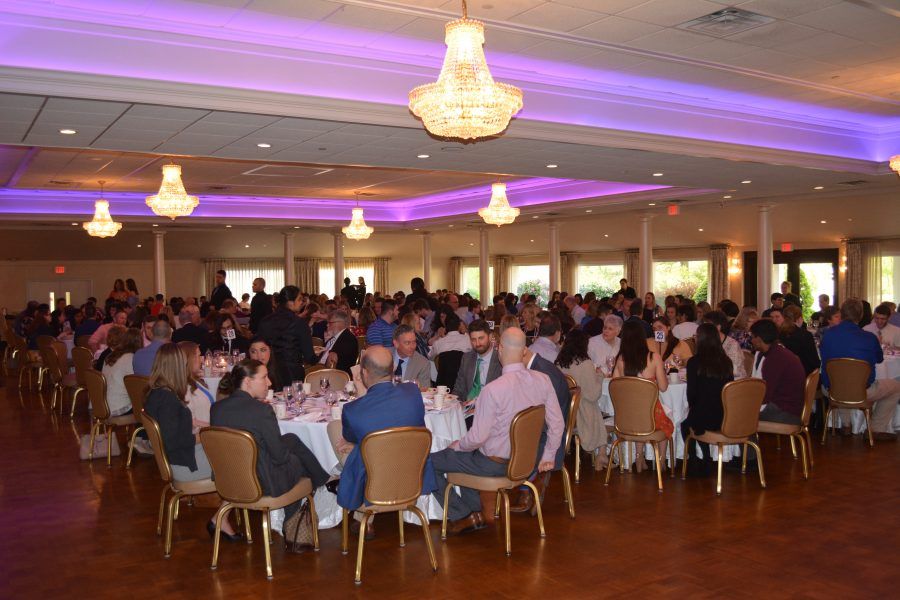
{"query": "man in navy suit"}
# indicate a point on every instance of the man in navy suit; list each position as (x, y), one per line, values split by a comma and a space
(384, 405)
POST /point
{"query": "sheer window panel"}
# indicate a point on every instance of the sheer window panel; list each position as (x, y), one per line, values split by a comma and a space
(241, 273)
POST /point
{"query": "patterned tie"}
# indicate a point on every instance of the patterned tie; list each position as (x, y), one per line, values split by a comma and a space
(399, 370)
(469, 405)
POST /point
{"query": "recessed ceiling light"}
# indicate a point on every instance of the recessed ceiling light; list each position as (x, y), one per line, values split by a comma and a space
(658, 174)
(532, 240)
(605, 235)
(819, 187)
(423, 156)
(68, 131)
(155, 225)
(651, 204)
(823, 222)
(699, 229)
(589, 210)
(471, 244)
(264, 145)
(449, 225)
(228, 227)
(139, 246)
(534, 217)
(727, 197)
(746, 181)
(246, 245)
(74, 224)
(849, 219)
(296, 227)
(415, 229)
(552, 166)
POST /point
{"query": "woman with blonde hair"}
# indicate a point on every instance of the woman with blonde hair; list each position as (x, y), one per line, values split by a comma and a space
(118, 364)
(740, 329)
(169, 386)
(198, 398)
(530, 320)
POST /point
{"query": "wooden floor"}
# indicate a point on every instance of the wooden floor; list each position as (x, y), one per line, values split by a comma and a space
(73, 529)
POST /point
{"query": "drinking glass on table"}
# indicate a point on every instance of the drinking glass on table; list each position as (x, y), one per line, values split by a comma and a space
(324, 384)
(610, 365)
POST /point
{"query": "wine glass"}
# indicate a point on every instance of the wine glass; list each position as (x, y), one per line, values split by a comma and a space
(610, 364)
(324, 384)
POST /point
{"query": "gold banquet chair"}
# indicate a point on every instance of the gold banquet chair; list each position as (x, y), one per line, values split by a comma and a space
(571, 433)
(394, 459)
(58, 370)
(524, 437)
(741, 401)
(44, 342)
(317, 341)
(27, 363)
(179, 489)
(848, 379)
(749, 358)
(634, 400)
(337, 379)
(232, 455)
(83, 360)
(801, 430)
(137, 387)
(95, 382)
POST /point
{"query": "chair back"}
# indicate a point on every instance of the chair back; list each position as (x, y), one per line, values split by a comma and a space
(848, 379)
(447, 365)
(51, 361)
(83, 360)
(809, 397)
(83, 341)
(524, 437)
(634, 400)
(692, 344)
(156, 441)
(571, 383)
(748, 362)
(361, 341)
(337, 379)
(45, 341)
(62, 354)
(394, 460)
(741, 401)
(317, 341)
(137, 387)
(574, 402)
(95, 383)
(232, 455)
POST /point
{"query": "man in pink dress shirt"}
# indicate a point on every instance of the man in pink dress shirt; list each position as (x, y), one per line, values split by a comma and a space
(485, 449)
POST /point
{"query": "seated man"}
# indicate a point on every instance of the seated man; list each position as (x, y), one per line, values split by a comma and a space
(385, 405)
(409, 365)
(847, 340)
(341, 346)
(686, 326)
(143, 358)
(549, 334)
(192, 329)
(485, 449)
(478, 368)
(783, 373)
(883, 330)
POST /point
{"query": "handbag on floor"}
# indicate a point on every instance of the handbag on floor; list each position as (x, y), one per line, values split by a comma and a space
(100, 442)
(298, 530)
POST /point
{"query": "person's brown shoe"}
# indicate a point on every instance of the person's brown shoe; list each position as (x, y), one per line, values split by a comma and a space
(488, 506)
(468, 524)
(370, 529)
(884, 436)
(523, 503)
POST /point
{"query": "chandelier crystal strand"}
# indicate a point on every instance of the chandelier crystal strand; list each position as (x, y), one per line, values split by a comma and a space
(172, 200)
(895, 163)
(498, 212)
(102, 225)
(465, 102)
(357, 229)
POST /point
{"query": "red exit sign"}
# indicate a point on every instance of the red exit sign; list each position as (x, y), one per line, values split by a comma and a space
(59, 270)
(787, 247)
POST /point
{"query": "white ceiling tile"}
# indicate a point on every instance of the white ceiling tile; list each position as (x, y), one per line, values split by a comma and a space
(130, 123)
(20, 101)
(561, 51)
(557, 17)
(497, 40)
(308, 9)
(186, 115)
(234, 118)
(609, 60)
(717, 51)
(824, 42)
(775, 34)
(73, 119)
(52, 129)
(132, 144)
(498, 11)
(98, 107)
(369, 18)
(18, 115)
(616, 30)
(668, 13)
(424, 28)
(290, 123)
(11, 132)
(763, 60)
(225, 129)
(669, 41)
(214, 13)
(782, 9)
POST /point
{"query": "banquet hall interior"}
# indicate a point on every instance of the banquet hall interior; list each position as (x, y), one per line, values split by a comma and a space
(727, 156)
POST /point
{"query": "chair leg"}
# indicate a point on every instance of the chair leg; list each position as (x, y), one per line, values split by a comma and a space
(345, 531)
(506, 524)
(719, 477)
(577, 442)
(825, 424)
(74, 398)
(110, 432)
(609, 466)
(759, 464)
(173, 502)
(567, 488)
(359, 549)
(497, 505)
(446, 510)
(672, 454)
(162, 508)
(793, 446)
(659, 467)
(93, 437)
(131, 446)
(537, 502)
(809, 447)
(684, 462)
(220, 515)
(802, 454)
(744, 459)
(265, 531)
(314, 517)
(247, 533)
(868, 414)
(400, 523)
(427, 532)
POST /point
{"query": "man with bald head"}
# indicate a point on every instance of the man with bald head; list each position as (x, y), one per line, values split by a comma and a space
(485, 449)
(383, 406)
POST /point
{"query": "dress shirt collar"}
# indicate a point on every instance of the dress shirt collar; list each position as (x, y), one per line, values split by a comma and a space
(513, 367)
(486, 357)
(530, 361)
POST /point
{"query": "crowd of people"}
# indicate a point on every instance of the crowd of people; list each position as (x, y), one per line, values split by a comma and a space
(497, 358)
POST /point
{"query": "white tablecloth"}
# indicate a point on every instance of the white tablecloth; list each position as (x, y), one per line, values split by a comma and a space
(889, 369)
(70, 343)
(446, 426)
(675, 404)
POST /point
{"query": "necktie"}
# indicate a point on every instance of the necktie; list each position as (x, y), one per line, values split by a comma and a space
(399, 370)
(474, 390)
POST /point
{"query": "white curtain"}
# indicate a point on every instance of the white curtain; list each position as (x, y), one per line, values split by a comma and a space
(307, 274)
(632, 267)
(502, 265)
(568, 272)
(718, 286)
(864, 270)
(454, 274)
(240, 273)
(381, 279)
(353, 268)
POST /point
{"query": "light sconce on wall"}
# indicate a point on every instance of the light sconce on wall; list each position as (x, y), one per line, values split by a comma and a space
(734, 266)
(843, 267)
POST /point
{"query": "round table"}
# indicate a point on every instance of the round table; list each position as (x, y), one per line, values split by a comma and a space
(675, 404)
(446, 426)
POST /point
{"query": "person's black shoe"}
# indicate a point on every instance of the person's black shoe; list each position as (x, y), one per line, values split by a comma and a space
(332, 486)
(211, 529)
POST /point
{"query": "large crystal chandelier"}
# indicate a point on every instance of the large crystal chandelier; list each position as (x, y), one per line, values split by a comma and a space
(102, 225)
(465, 102)
(172, 200)
(895, 163)
(498, 212)
(357, 229)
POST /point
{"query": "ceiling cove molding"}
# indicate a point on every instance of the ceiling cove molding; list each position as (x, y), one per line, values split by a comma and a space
(102, 87)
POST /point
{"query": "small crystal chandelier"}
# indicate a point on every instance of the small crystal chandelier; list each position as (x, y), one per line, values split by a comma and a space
(498, 212)
(172, 200)
(357, 229)
(102, 226)
(895, 163)
(465, 102)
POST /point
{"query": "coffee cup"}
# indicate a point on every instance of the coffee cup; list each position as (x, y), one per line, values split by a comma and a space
(673, 378)
(442, 389)
(336, 412)
(280, 410)
(307, 388)
(438, 402)
(270, 395)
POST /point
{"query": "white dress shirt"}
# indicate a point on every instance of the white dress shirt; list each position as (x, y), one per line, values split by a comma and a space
(545, 348)
(578, 314)
(889, 334)
(599, 350)
(682, 331)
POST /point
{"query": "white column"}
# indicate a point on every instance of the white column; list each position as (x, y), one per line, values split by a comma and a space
(645, 257)
(484, 269)
(338, 262)
(159, 263)
(554, 259)
(764, 258)
(426, 259)
(290, 277)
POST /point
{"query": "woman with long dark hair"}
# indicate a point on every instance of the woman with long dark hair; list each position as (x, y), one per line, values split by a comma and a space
(573, 360)
(670, 348)
(288, 335)
(798, 340)
(636, 360)
(116, 366)
(261, 350)
(118, 293)
(218, 341)
(707, 373)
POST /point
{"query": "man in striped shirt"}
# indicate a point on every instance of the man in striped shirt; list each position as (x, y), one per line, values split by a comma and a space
(381, 332)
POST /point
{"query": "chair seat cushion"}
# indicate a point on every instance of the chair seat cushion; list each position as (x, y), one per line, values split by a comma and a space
(779, 428)
(195, 488)
(657, 436)
(715, 437)
(485, 484)
(375, 508)
(123, 420)
(303, 489)
(850, 406)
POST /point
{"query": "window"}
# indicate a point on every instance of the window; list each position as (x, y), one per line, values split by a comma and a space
(890, 278)
(326, 277)
(603, 280)
(690, 278)
(531, 279)
(472, 285)
(241, 274)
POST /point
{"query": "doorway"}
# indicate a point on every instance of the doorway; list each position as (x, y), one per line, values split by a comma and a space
(811, 273)
(75, 291)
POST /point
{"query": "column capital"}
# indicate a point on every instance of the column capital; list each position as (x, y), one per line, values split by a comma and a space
(159, 233)
(646, 217)
(288, 234)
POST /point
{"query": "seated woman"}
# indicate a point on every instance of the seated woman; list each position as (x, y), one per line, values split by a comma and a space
(798, 340)
(218, 341)
(283, 459)
(530, 320)
(118, 364)
(366, 318)
(740, 328)
(636, 360)
(672, 347)
(199, 398)
(574, 361)
(261, 350)
(165, 403)
(113, 338)
(707, 373)
(39, 326)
